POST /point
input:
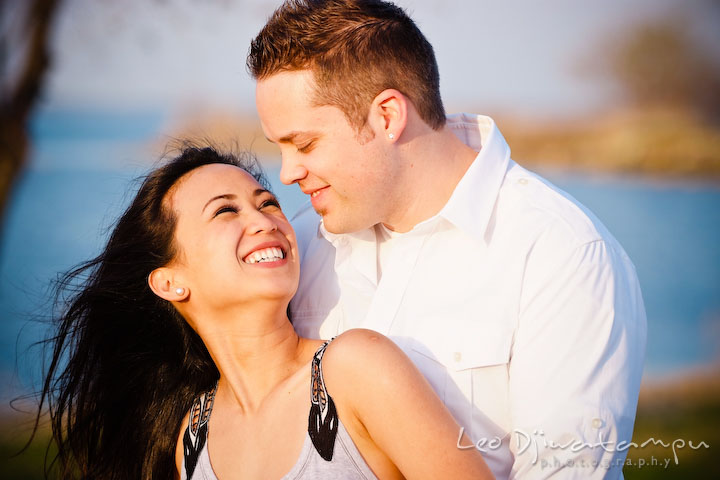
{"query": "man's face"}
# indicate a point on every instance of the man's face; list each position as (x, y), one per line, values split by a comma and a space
(349, 176)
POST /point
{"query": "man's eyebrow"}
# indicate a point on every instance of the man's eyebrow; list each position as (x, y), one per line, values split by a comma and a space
(293, 135)
(229, 196)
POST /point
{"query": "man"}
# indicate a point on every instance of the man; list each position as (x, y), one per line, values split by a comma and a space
(515, 302)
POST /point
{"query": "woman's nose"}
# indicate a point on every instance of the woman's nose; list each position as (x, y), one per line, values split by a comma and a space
(259, 222)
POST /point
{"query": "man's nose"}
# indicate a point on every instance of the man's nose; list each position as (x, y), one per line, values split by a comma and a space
(291, 170)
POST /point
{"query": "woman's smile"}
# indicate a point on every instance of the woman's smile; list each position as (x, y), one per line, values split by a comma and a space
(269, 255)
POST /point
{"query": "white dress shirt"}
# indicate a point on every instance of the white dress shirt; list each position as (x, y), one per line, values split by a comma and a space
(515, 302)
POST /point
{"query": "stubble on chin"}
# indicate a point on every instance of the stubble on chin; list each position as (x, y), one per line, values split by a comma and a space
(330, 225)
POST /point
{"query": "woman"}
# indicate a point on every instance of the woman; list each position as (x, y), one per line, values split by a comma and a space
(176, 349)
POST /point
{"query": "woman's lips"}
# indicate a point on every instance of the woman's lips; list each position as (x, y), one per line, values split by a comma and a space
(264, 255)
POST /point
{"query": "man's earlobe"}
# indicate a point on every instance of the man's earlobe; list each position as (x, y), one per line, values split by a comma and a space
(163, 284)
(392, 108)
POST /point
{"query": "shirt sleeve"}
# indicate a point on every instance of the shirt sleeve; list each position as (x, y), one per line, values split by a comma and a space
(576, 362)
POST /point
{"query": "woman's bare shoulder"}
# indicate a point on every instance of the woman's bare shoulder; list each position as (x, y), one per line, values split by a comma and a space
(361, 358)
(360, 344)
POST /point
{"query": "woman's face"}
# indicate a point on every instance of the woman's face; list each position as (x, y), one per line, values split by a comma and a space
(234, 243)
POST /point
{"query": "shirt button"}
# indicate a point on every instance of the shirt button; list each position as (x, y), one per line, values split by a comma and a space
(597, 423)
(457, 356)
(523, 181)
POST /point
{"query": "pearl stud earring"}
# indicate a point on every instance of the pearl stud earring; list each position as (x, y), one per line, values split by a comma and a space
(180, 290)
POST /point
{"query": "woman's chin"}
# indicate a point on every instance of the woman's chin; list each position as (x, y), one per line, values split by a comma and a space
(281, 296)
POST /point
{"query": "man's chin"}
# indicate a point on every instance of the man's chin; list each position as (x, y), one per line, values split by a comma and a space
(320, 211)
(332, 225)
(329, 222)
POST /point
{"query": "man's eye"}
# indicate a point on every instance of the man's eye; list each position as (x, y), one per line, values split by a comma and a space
(225, 209)
(306, 148)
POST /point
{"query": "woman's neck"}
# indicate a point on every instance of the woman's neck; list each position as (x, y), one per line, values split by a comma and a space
(254, 355)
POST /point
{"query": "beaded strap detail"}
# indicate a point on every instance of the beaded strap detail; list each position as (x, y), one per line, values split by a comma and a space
(323, 418)
(197, 429)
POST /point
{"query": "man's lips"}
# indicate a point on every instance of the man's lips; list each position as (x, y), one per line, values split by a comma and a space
(313, 192)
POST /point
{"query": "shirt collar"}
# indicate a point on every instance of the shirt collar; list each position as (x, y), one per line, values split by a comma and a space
(363, 245)
(473, 200)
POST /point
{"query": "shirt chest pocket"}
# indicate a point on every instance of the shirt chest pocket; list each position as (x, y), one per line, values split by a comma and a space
(465, 361)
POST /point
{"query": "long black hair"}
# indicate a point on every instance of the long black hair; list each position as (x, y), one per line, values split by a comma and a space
(124, 366)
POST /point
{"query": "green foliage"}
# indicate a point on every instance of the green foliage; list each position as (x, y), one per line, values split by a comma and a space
(15, 463)
(689, 414)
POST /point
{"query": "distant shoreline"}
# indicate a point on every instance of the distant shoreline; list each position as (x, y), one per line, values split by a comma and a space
(658, 143)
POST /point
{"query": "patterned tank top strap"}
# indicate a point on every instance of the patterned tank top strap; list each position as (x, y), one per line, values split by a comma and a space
(323, 419)
(197, 429)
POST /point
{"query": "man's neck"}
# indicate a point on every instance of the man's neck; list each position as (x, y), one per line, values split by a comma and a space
(435, 162)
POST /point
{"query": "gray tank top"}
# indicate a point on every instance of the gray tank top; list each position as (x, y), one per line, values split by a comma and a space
(328, 452)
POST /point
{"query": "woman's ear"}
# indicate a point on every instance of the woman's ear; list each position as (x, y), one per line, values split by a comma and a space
(162, 282)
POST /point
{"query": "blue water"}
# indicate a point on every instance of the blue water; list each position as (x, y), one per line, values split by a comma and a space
(80, 178)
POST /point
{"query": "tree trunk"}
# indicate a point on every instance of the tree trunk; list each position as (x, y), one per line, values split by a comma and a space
(15, 110)
(13, 148)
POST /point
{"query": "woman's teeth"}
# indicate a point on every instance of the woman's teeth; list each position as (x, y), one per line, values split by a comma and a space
(272, 254)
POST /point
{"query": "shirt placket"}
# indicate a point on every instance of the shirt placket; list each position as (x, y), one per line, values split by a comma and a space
(356, 267)
(396, 279)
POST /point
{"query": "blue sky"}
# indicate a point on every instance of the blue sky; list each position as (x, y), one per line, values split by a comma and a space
(509, 56)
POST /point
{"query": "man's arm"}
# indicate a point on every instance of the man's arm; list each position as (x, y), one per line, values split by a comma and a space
(577, 361)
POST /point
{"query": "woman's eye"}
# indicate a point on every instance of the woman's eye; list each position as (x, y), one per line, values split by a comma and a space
(271, 202)
(225, 209)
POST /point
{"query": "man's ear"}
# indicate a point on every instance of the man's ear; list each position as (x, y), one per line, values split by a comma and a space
(390, 113)
(162, 282)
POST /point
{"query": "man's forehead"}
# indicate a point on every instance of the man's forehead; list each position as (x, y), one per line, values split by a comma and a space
(296, 83)
(284, 104)
(288, 117)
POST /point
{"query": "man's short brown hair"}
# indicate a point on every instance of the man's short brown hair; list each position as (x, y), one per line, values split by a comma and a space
(355, 49)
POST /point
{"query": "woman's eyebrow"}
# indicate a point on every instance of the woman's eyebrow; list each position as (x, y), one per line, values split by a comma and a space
(229, 196)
